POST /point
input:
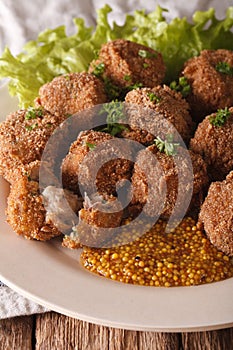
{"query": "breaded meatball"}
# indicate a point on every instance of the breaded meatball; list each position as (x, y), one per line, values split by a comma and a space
(157, 112)
(211, 80)
(216, 214)
(157, 185)
(71, 93)
(215, 144)
(23, 136)
(97, 220)
(96, 160)
(125, 63)
(27, 210)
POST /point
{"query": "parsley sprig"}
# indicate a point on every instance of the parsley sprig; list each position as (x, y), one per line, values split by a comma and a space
(181, 86)
(114, 115)
(224, 68)
(167, 146)
(220, 117)
(147, 54)
(153, 97)
(99, 69)
(91, 146)
(33, 113)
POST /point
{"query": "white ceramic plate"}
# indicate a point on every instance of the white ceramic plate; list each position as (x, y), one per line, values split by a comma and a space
(53, 277)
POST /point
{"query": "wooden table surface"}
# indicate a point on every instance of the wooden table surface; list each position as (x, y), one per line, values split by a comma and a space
(53, 331)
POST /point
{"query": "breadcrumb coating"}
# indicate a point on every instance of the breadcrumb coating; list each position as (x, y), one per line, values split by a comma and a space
(78, 170)
(215, 145)
(159, 110)
(211, 89)
(23, 136)
(127, 63)
(216, 214)
(152, 184)
(71, 93)
(26, 213)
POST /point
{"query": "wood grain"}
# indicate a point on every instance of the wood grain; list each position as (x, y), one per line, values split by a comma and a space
(52, 331)
(212, 340)
(55, 331)
(16, 333)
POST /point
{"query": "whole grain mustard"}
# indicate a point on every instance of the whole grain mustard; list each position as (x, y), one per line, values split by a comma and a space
(181, 257)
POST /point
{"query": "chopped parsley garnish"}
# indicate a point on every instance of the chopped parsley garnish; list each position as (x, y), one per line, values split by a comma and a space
(127, 77)
(147, 54)
(134, 86)
(224, 67)
(167, 146)
(153, 97)
(33, 113)
(114, 111)
(31, 127)
(115, 92)
(145, 65)
(91, 146)
(99, 69)
(220, 117)
(182, 86)
(112, 91)
(114, 115)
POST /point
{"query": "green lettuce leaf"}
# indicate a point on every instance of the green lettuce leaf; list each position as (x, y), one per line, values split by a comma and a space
(54, 53)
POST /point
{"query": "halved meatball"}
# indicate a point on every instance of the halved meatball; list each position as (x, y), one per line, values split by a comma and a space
(98, 219)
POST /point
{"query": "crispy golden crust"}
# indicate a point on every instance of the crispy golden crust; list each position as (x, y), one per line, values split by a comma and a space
(216, 214)
(163, 180)
(215, 145)
(77, 170)
(160, 109)
(97, 219)
(124, 66)
(71, 243)
(23, 140)
(211, 89)
(71, 93)
(26, 213)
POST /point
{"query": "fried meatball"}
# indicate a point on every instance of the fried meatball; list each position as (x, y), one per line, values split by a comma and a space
(126, 63)
(82, 165)
(164, 183)
(23, 136)
(157, 112)
(211, 85)
(27, 208)
(215, 145)
(97, 220)
(71, 93)
(216, 214)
